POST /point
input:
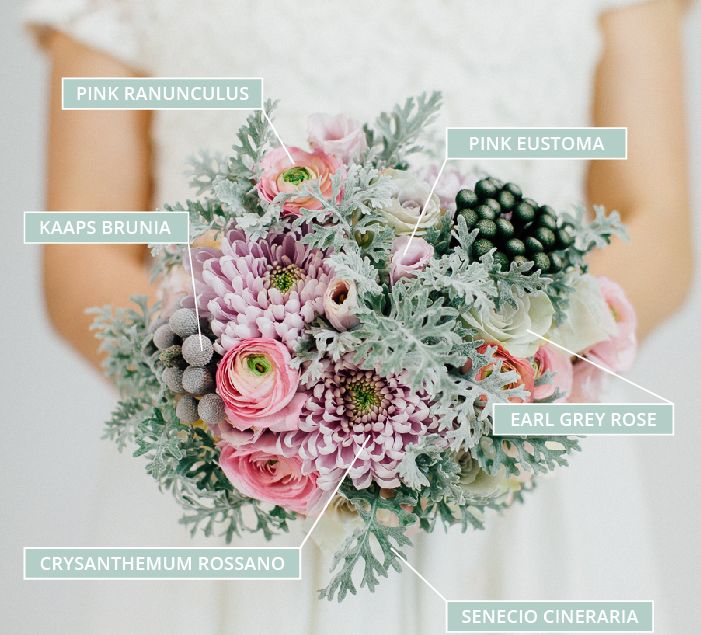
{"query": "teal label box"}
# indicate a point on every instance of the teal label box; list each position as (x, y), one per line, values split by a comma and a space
(95, 228)
(143, 563)
(162, 93)
(537, 143)
(550, 617)
(583, 419)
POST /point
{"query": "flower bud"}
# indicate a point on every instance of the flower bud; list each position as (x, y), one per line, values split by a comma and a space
(406, 262)
(341, 304)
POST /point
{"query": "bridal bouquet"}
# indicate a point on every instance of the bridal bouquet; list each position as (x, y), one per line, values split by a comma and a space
(335, 316)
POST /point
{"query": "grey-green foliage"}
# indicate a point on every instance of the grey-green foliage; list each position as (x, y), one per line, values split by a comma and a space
(352, 265)
(417, 327)
(236, 188)
(203, 169)
(348, 220)
(164, 258)
(229, 185)
(431, 471)
(371, 547)
(125, 339)
(395, 134)
(206, 215)
(590, 234)
(420, 334)
(538, 454)
(479, 284)
(253, 139)
(432, 493)
(183, 459)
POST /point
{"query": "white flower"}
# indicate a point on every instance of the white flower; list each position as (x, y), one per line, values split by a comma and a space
(341, 304)
(478, 484)
(410, 195)
(335, 526)
(589, 320)
(511, 324)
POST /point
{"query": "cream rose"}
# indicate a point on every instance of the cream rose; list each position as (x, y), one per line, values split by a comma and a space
(589, 320)
(480, 485)
(336, 524)
(511, 325)
(410, 195)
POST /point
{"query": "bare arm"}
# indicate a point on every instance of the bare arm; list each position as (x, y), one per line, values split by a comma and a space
(97, 160)
(639, 84)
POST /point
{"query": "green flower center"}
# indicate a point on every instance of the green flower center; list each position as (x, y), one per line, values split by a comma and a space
(259, 365)
(364, 396)
(296, 175)
(284, 278)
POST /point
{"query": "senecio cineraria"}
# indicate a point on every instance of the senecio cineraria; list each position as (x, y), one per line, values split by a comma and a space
(324, 326)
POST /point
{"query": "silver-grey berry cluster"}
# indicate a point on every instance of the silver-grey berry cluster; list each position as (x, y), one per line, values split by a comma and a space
(190, 368)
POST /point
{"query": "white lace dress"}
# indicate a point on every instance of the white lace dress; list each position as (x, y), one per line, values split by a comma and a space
(581, 535)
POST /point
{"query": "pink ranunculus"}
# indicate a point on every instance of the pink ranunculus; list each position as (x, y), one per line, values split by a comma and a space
(618, 352)
(588, 383)
(259, 471)
(551, 359)
(259, 387)
(337, 135)
(341, 304)
(405, 265)
(280, 177)
(523, 368)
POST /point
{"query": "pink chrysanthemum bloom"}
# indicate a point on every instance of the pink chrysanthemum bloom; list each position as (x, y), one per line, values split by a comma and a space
(268, 288)
(346, 406)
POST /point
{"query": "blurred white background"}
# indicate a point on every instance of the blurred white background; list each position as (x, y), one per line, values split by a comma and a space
(55, 404)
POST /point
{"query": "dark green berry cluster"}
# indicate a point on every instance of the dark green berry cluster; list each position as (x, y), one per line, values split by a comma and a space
(519, 228)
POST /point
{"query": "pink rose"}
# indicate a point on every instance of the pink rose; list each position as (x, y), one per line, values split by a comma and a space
(259, 387)
(588, 383)
(551, 359)
(405, 265)
(341, 304)
(523, 368)
(258, 471)
(618, 352)
(281, 177)
(338, 135)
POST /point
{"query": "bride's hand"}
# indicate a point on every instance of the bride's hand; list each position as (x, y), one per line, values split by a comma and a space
(639, 84)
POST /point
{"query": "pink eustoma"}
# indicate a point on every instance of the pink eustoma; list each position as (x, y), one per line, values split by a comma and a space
(279, 177)
(451, 180)
(259, 387)
(405, 262)
(258, 471)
